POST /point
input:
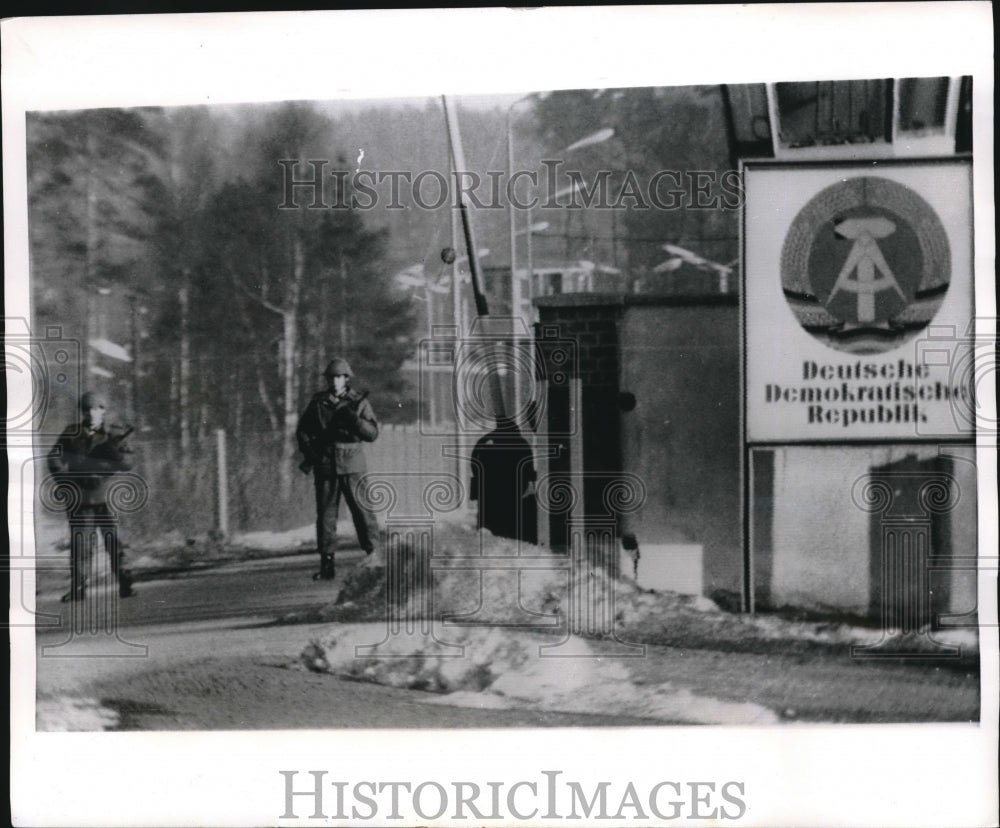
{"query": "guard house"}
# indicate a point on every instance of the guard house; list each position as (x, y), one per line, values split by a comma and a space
(804, 436)
(653, 393)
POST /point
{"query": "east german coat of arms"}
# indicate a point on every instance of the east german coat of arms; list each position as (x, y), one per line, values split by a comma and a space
(865, 265)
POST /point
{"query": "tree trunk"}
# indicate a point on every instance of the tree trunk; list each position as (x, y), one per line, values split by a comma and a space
(290, 318)
(184, 379)
(236, 415)
(134, 379)
(265, 399)
(343, 305)
(90, 259)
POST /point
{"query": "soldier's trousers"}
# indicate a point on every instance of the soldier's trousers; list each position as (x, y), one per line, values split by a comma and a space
(329, 490)
(86, 525)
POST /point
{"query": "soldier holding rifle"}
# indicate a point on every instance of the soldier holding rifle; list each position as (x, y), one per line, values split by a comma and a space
(330, 434)
(83, 460)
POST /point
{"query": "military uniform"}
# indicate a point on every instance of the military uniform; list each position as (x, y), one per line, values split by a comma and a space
(331, 433)
(83, 460)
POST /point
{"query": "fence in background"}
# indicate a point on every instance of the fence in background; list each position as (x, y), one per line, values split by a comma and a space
(191, 499)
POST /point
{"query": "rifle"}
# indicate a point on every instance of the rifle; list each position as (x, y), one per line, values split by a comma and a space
(118, 438)
(112, 450)
(351, 399)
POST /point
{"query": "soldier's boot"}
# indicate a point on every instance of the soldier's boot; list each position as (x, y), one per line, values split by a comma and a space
(326, 569)
(78, 562)
(124, 576)
(125, 584)
(76, 593)
(77, 582)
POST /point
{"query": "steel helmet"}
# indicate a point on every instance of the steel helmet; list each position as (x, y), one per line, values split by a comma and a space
(338, 365)
(93, 399)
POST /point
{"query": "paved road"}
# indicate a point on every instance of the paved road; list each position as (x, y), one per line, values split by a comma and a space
(262, 589)
(210, 658)
(196, 651)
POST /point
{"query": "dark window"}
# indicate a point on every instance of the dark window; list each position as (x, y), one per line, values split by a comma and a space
(963, 128)
(922, 104)
(748, 121)
(821, 113)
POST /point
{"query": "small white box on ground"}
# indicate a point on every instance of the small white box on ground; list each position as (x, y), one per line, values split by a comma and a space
(673, 566)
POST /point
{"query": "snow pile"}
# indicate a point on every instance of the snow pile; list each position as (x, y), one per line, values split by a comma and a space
(64, 714)
(483, 622)
(173, 550)
(473, 659)
(467, 573)
(493, 667)
(277, 541)
(772, 627)
(548, 591)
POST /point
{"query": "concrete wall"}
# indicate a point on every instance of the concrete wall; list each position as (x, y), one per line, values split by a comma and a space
(680, 359)
(813, 541)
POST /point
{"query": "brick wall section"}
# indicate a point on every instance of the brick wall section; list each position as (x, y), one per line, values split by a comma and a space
(592, 327)
(593, 322)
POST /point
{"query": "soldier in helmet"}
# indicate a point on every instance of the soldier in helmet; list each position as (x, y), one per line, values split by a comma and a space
(330, 434)
(83, 459)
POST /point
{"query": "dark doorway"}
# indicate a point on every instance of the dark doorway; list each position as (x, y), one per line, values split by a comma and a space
(910, 530)
(503, 475)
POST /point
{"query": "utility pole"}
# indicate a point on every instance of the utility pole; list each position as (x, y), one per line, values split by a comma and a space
(134, 334)
(184, 390)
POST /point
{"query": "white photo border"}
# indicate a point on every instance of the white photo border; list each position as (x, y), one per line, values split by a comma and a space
(801, 775)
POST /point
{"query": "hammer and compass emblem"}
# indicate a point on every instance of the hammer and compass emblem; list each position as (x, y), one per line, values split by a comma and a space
(865, 264)
(872, 272)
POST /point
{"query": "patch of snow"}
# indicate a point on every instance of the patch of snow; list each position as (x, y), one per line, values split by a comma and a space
(495, 667)
(548, 592)
(66, 714)
(142, 562)
(500, 653)
(543, 677)
(277, 541)
(964, 637)
(663, 704)
(703, 604)
(465, 698)
(165, 540)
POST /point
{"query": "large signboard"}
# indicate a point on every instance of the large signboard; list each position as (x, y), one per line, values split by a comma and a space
(858, 300)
